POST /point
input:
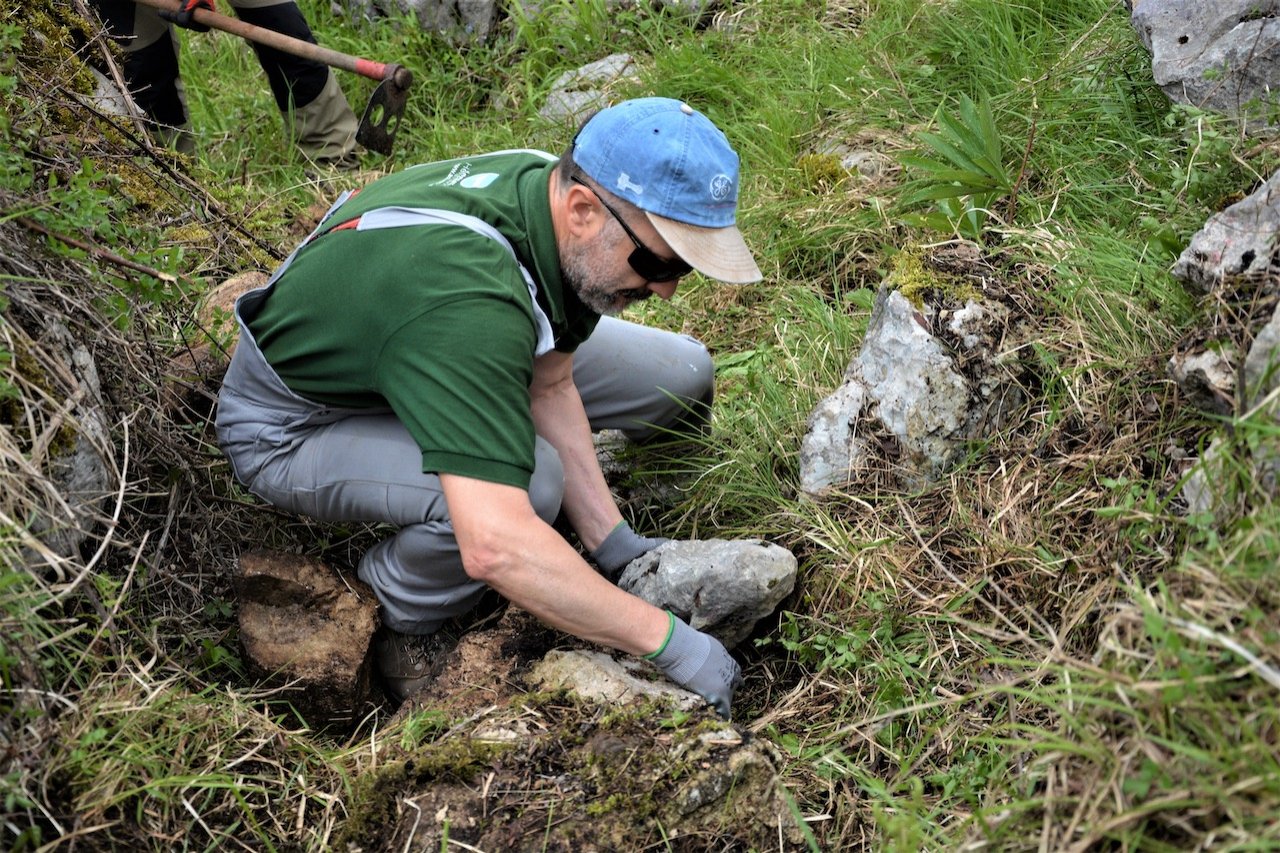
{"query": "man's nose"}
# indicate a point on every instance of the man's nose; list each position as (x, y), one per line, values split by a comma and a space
(664, 289)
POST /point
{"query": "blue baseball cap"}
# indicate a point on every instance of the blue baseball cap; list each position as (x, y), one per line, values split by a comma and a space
(666, 158)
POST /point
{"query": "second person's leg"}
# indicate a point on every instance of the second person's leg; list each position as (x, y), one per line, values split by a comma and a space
(316, 113)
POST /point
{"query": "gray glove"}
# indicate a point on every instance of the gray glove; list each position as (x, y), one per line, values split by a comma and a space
(699, 662)
(620, 547)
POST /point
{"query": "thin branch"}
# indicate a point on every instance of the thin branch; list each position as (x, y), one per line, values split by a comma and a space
(98, 252)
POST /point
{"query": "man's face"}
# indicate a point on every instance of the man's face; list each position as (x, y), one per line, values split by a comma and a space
(591, 268)
(600, 275)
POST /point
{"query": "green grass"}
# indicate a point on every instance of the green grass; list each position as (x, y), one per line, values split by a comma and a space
(1038, 651)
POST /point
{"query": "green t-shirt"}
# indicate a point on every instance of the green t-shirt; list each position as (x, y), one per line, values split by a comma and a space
(433, 320)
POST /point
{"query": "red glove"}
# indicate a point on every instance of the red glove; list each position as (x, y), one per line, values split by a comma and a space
(183, 17)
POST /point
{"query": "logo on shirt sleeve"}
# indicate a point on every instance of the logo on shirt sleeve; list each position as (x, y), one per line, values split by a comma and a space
(480, 181)
(460, 176)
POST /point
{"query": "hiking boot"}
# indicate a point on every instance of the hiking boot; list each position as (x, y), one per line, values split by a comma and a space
(408, 662)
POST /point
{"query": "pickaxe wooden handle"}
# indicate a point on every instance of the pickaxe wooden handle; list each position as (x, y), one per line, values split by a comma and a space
(388, 99)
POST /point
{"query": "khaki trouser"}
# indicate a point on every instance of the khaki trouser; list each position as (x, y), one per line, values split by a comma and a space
(317, 116)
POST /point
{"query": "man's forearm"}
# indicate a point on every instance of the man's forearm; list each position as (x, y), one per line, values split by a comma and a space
(505, 545)
(559, 417)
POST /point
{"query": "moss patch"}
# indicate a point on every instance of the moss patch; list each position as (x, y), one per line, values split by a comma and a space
(548, 772)
(920, 283)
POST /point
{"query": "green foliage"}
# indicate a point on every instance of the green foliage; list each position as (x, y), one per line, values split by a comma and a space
(965, 178)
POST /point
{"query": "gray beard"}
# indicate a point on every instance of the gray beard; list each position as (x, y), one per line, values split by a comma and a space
(593, 284)
(607, 302)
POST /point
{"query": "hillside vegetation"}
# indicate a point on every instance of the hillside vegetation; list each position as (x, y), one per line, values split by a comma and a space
(1041, 650)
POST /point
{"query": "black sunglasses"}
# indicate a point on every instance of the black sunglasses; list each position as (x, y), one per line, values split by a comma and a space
(647, 265)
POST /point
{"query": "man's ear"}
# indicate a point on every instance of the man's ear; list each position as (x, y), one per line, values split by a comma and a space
(582, 211)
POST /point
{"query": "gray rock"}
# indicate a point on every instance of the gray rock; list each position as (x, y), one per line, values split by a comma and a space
(107, 96)
(871, 165)
(1201, 491)
(463, 21)
(1211, 487)
(700, 10)
(1266, 465)
(1261, 381)
(599, 678)
(695, 8)
(1239, 241)
(610, 446)
(719, 586)
(1207, 378)
(919, 397)
(74, 455)
(967, 323)
(906, 384)
(1210, 483)
(832, 452)
(307, 630)
(1262, 364)
(598, 73)
(578, 93)
(573, 107)
(1220, 56)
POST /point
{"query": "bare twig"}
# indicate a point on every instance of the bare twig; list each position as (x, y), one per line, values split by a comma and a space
(98, 251)
(1022, 169)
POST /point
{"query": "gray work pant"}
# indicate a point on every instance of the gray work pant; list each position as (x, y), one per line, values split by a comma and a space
(362, 465)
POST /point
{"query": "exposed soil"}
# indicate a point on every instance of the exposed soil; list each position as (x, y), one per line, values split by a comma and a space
(538, 771)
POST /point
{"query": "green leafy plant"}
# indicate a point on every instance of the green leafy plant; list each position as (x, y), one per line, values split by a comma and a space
(964, 174)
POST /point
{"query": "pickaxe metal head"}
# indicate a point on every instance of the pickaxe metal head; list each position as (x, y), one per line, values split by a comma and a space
(381, 119)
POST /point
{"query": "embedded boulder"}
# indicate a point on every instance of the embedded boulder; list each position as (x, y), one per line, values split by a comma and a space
(464, 21)
(1222, 56)
(1262, 364)
(76, 453)
(928, 380)
(1255, 439)
(54, 427)
(697, 10)
(1239, 242)
(598, 677)
(577, 94)
(1207, 378)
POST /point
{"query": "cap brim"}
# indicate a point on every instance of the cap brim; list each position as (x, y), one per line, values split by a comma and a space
(719, 253)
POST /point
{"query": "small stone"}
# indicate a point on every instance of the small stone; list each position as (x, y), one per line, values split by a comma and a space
(719, 586)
